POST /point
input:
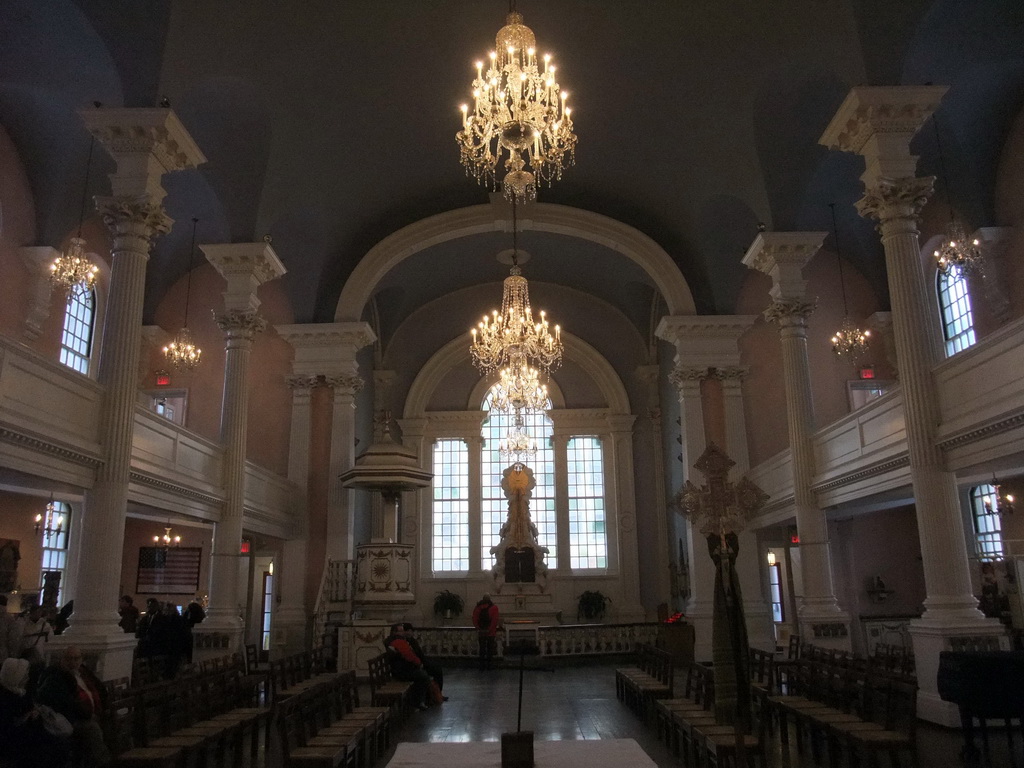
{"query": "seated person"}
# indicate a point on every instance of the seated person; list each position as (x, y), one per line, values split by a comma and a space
(406, 665)
(432, 667)
(23, 736)
(75, 692)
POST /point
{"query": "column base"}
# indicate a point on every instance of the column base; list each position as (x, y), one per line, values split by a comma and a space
(109, 656)
(824, 624)
(931, 637)
(701, 615)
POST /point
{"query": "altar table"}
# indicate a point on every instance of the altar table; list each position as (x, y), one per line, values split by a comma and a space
(590, 753)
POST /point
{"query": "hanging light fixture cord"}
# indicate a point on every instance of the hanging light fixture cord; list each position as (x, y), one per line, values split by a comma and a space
(85, 187)
(191, 259)
(839, 258)
(515, 236)
(942, 168)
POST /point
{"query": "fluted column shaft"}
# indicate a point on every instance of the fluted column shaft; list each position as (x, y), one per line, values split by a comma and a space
(895, 204)
(240, 327)
(341, 518)
(133, 222)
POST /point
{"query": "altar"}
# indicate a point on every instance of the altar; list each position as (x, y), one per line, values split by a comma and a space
(591, 753)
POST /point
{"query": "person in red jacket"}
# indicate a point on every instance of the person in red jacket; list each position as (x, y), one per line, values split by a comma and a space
(485, 619)
(406, 665)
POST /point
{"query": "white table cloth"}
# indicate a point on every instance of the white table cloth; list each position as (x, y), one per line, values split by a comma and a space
(591, 753)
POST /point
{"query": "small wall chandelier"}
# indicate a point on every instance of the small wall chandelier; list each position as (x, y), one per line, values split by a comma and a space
(73, 269)
(49, 523)
(958, 251)
(511, 336)
(1003, 500)
(518, 109)
(167, 540)
(517, 446)
(849, 341)
(182, 353)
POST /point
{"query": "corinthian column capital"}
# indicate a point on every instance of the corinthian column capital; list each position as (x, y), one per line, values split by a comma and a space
(896, 199)
(789, 312)
(240, 322)
(344, 384)
(139, 215)
(300, 381)
(684, 377)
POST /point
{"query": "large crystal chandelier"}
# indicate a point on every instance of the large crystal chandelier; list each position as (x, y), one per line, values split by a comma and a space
(73, 269)
(182, 352)
(849, 341)
(517, 110)
(960, 252)
(512, 335)
(519, 390)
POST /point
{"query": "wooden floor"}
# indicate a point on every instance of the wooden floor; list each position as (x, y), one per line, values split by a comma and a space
(579, 702)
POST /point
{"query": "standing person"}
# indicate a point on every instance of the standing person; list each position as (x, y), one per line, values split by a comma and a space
(10, 632)
(35, 630)
(74, 691)
(485, 619)
(129, 614)
(406, 665)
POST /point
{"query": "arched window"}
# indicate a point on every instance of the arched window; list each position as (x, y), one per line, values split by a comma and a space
(955, 306)
(494, 505)
(988, 528)
(588, 536)
(76, 340)
(450, 524)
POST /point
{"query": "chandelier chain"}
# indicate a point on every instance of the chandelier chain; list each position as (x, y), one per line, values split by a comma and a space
(85, 187)
(191, 260)
(839, 257)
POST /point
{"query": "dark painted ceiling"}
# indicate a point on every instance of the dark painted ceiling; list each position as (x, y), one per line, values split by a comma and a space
(330, 124)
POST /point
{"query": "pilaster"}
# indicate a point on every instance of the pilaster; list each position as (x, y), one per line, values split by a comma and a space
(135, 218)
(656, 495)
(880, 125)
(623, 490)
(783, 256)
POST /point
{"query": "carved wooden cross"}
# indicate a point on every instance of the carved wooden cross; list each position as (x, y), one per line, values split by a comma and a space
(720, 506)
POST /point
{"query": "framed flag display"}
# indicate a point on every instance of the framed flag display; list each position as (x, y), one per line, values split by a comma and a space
(168, 570)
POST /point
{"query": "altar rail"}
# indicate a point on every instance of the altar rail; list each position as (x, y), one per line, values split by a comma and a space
(554, 641)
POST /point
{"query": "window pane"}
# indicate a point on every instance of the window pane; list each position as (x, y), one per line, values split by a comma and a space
(55, 544)
(588, 541)
(450, 534)
(988, 528)
(494, 505)
(957, 318)
(76, 340)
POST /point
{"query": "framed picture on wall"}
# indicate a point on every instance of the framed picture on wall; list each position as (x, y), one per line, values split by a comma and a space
(168, 570)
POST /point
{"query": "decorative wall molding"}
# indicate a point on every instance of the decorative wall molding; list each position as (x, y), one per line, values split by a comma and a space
(49, 446)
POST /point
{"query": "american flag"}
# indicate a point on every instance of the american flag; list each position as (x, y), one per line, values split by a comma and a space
(168, 570)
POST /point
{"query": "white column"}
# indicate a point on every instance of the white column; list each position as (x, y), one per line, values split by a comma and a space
(244, 266)
(292, 615)
(159, 144)
(782, 256)
(474, 447)
(619, 447)
(879, 124)
(560, 443)
(341, 542)
(649, 375)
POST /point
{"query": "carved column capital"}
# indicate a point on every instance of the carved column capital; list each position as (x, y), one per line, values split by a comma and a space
(786, 312)
(235, 322)
(896, 199)
(731, 373)
(344, 384)
(139, 215)
(683, 377)
(300, 381)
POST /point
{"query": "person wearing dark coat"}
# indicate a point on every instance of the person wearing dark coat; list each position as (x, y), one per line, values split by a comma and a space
(432, 667)
(407, 666)
(23, 736)
(485, 619)
(72, 689)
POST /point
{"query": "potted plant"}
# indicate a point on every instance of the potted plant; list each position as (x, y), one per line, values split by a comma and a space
(448, 604)
(593, 604)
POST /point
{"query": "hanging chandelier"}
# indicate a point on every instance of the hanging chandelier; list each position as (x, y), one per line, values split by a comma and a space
(73, 269)
(849, 341)
(519, 390)
(517, 445)
(958, 252)
(501, 339)
(182, 352)
(50, 523)
(1003, 500)
(167, 540)
(519, 114)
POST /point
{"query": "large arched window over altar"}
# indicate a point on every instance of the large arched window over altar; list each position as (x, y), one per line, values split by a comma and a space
(568, 504)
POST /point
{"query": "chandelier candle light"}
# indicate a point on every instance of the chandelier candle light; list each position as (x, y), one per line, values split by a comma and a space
(849, 341)
(51, 519)
(73, 270)
(958, 252)
(518, 110)
(519, 390)
(182, 352)
(167, 540)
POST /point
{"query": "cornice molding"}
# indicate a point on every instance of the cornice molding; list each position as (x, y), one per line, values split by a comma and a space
(871, 110)
(48, 446)
(880, 468)
(978, 433)
(157, 132)
(176, 489)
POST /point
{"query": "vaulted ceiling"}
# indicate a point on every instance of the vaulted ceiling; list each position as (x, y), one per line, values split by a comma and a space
(330, 124)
